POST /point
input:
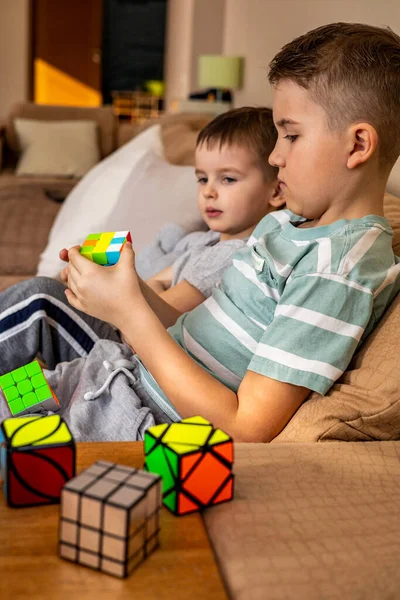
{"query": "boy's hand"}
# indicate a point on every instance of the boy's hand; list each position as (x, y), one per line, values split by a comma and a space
(107, 293)
(63, 254)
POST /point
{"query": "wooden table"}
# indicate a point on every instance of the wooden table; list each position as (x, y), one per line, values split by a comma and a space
(182, 568)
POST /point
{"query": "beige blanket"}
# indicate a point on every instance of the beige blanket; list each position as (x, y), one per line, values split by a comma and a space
(311, 522)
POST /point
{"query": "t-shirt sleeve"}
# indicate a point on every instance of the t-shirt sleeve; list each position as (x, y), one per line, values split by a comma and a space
(317, 326)
(206, 265)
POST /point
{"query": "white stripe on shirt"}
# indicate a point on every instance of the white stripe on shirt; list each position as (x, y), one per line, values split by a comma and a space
(324, 264)
(251, 241)
(207, 359)
(282, 216)
(341, 279)
(360, 248)
(230, 325)
(293, 361)
(391, 276)
(251, 275)
(320, 320)
(282, 270)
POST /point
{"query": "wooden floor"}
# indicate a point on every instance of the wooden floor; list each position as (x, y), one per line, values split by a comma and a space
(182, 568)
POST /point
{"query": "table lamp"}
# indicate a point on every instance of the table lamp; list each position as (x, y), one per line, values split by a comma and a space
(221, 72)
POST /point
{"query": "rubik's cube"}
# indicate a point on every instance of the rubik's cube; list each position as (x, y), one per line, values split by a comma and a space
(195, 461)
(109, 518)
(37, 459)
(27, 391)
(105, 248)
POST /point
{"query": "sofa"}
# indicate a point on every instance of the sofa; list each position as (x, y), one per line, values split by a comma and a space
(309, 520)
(363, 405)
(27, 212)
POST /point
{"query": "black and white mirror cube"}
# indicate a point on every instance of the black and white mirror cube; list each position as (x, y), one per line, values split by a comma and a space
(109, 517)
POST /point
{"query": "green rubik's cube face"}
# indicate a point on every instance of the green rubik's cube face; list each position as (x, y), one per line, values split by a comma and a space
(27, 391)
(105, 248)
(195, 462)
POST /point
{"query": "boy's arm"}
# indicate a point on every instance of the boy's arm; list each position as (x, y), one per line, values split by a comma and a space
(183, 296)
(161, 281)
(257, 413)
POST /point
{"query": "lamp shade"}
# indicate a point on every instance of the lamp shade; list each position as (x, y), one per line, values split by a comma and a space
(220, 71)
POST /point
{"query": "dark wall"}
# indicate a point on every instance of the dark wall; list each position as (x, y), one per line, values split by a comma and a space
(133, 44)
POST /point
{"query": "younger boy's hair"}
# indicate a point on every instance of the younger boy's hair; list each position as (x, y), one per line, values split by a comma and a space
(352, 70)
(247, 126)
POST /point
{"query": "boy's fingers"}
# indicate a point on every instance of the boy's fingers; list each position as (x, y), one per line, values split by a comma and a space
(73, 274)
(63, 254)
(64, 274)
(75, 258)
(128, 253)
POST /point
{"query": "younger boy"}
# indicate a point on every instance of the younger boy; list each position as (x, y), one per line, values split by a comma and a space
(289, 314)
(237, 188)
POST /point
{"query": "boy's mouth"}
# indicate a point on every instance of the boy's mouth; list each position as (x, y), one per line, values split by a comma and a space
(213, 212)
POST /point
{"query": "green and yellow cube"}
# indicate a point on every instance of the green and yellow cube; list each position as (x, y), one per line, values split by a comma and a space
(26, 391)
(195, 462)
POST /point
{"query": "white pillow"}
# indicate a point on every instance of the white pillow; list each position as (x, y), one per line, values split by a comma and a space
(154, 194)
(57, 148)
(92, 201)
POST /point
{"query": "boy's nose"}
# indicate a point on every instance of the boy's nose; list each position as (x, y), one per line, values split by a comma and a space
(276, 159)
(210, 191)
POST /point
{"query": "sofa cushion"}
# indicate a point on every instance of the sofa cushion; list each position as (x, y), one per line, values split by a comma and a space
(179, 135)
(61, 149)
(103, 115)
(26, 216)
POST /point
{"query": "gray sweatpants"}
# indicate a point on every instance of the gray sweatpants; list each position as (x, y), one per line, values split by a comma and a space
(84, 355)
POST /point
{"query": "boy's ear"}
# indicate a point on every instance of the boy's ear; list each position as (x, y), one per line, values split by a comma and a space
(363, 140)
(276, 200)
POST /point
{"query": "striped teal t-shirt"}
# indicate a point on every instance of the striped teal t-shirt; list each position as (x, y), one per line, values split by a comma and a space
(296, 302)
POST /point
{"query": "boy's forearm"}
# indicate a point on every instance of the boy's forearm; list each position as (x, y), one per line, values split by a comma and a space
(187, 385)
(155, 285)
(166, 313)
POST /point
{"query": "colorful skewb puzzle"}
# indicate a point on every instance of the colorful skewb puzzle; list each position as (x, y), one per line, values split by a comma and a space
(37, 459)
(195, 461)
(110, 518)
(27, 391)
(105, 248)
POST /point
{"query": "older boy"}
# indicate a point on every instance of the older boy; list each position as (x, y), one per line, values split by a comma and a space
(291, 311)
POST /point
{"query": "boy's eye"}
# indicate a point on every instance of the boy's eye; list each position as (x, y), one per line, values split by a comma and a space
(202, 180)
(229, 179)
(291, 138)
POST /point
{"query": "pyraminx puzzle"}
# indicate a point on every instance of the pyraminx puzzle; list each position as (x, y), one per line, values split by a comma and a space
(27, 391)
(195, 462)
(37, 459)
(110, 518)
(105, 248)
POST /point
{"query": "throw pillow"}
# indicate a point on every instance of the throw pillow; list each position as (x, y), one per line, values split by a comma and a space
(57, 148)
(88, 206)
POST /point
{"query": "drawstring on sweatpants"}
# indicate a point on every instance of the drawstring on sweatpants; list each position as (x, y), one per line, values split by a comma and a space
(120, 366)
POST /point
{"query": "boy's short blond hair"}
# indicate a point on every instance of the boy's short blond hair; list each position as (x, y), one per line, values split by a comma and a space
(247, 126)
(352, 70)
